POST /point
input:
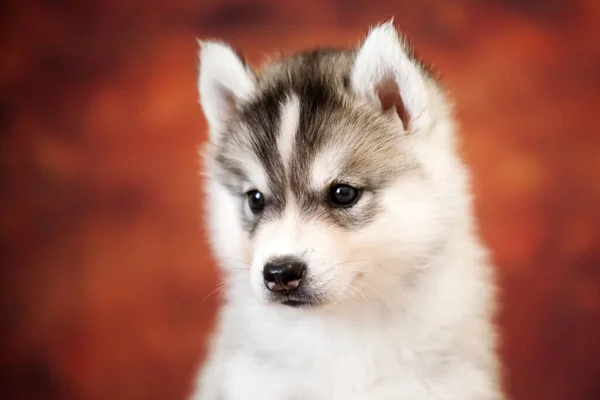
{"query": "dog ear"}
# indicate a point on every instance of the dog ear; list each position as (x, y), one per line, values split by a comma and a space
(224, 81)
(385, 73)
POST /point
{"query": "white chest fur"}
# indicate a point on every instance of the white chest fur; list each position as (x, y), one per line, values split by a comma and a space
(274, 353)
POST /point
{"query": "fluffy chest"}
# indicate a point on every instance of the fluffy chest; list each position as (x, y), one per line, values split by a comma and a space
(313, 362)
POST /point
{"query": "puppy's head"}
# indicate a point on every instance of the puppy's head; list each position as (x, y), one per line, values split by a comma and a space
(332, 173)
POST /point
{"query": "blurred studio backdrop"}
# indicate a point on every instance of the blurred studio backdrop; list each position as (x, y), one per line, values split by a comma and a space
(106, 278)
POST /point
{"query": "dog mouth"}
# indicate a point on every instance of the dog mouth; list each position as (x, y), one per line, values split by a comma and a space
(295, 300)
(298, 303)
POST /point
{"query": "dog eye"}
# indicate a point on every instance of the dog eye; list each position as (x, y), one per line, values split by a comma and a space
(343, 196)
(256, 201)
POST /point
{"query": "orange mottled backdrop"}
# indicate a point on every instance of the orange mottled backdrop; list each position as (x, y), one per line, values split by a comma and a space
(105, 275)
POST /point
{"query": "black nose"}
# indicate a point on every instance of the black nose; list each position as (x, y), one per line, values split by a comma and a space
(283, 274)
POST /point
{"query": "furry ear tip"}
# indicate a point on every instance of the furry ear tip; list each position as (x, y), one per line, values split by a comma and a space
(212, 45)
(213, 48)
(208, 44)
(389, 24)
(200, 43)
(203, 47)
(385, 29)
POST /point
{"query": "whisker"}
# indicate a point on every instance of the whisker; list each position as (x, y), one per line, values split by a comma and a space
(218, 288)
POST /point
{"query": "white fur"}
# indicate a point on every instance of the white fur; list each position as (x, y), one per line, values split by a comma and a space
(410, 295)
(290, 118)
(382, 57)
(223, 83)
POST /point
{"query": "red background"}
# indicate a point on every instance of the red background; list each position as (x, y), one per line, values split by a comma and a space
(105, 273)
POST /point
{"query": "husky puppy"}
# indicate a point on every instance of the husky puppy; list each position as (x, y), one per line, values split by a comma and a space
(340, 213)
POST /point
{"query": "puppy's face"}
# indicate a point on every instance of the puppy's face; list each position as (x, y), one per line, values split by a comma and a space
(329, 174)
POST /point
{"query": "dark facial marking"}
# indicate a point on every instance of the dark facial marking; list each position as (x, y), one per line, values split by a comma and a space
(328, 119)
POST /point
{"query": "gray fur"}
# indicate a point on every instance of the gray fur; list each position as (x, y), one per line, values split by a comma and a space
(330, 117)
